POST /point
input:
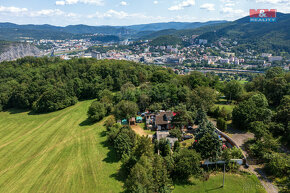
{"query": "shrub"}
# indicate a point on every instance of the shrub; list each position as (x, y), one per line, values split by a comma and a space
(110, 122)
(97, 111)
(176, 133)
(278, 165)
(221, 124)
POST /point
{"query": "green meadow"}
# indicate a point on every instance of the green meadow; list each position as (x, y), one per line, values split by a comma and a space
(55, 152)
(234, 183)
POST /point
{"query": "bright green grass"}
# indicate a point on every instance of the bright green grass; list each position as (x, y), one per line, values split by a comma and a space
(54, 153)
(229, 108)
(233, 184)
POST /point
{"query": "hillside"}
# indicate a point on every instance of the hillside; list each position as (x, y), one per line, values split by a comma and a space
(166, 40)
(55, 152)
(172, 25)
(10, 31)
(183, 32)
(4, 45)
(262, 36)
(14, 50)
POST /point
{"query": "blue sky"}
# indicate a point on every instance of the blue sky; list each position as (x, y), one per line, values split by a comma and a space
(128, 12)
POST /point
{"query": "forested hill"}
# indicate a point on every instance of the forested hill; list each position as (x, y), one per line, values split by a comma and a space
(258, 35)
(172, 25)
(10, 31)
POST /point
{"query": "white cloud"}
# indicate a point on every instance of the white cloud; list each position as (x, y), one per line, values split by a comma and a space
(274, 1)
(24, 12)
(117, 15)
(229, 12)
(232, 11)
(229, 4)
(123, 3)
(46, 12)
(208, 6)
(182, 5)
(12, 9)
(60, 2)
(71, 2)
(155, 2)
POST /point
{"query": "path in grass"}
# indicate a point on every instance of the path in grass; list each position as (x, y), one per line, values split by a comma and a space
(55, 152)
(233, 183)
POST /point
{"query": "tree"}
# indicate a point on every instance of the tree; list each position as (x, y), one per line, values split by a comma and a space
(275, 89)
(125, 109)
(160, 76)
(53, 99)
(274, 72)
(140, 179)
(162, 181)
(186, 163)
(128, 92)
(203, 97)
(176, 133)
(125, 141)
(149, 175)
(110, 122)
(259, 129)
(262, 147)
(143, 102)
(112, 132)
(163, 146)
(155, 107)
(182, 117)
(200, 117)
(221, 124)
(254, 109)
(283, 111)
(143, 147)
(97, 111)
(233, 90)
(278, 165)
(208, 145)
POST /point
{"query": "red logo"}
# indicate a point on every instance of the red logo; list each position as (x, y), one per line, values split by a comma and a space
(263, 13)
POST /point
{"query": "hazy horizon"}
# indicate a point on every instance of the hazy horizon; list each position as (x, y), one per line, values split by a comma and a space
(129, 12)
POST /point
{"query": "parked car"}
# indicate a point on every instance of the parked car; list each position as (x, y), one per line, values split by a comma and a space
(185, 137)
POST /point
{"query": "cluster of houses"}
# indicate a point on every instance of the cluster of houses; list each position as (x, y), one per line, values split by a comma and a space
(161, 122)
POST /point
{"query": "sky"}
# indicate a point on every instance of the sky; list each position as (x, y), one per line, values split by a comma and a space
(129, 12)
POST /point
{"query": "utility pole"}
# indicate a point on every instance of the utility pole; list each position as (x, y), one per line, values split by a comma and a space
(224, 174)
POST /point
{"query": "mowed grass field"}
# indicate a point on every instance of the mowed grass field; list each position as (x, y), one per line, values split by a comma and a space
(234, 183)
(55, 152)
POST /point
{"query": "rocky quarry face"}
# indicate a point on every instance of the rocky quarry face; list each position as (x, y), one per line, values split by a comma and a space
(16, 51)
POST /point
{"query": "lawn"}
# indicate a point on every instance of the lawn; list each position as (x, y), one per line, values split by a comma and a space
(233, 183)
(229, 108)
(149, 132)
(56, 152)
(222, 103)
(187, 143)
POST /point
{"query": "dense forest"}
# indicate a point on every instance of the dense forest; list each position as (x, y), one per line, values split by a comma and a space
(123, 88)
(49, 84)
